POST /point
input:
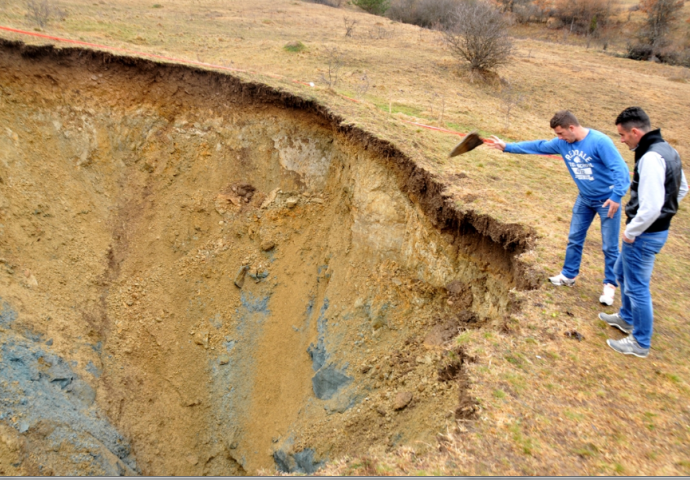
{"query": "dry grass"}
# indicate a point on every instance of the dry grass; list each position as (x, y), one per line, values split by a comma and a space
(549, 404)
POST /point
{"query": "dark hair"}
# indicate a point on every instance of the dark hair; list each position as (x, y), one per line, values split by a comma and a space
(634, 117)
(564, 119)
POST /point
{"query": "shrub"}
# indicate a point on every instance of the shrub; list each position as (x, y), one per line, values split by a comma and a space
(585, 16)
(529, 12)
(435, 12)
(328, 3)
(40, 12)
(510, 5)
(424, 13)
(653, 39)
(376, 7)
(294, 47)
(670, 55)
(640, 52)
(676, 57)
(403, 11)
(478, 35)
(660, 16)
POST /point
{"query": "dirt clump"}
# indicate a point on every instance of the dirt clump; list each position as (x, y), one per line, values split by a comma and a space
(402, 400)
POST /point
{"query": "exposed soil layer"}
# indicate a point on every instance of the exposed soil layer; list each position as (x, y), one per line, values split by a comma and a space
(231, 276)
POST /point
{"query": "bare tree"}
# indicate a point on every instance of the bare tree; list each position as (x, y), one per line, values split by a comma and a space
(510, 98)
(479, 36)
(379, 32)
(334, 62)
(350, 24)
(653, 37)
(363, 86)
(585, 16)
(509, 5)
(41, 11)
(661, 14)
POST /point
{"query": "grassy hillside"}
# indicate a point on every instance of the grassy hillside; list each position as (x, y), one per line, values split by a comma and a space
(549, 404)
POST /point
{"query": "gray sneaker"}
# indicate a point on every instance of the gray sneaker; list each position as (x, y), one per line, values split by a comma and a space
(615, 320)
(628, 346)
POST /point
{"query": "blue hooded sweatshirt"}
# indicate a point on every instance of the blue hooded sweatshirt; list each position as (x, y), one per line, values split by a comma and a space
(594, 163)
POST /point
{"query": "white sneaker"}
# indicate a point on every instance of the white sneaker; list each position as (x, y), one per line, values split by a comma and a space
(561, 280)
(607, 297)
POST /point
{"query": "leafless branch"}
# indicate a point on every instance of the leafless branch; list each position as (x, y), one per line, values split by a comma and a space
(478, 35)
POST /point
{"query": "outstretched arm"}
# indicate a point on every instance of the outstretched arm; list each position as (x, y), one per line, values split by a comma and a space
(536, 147)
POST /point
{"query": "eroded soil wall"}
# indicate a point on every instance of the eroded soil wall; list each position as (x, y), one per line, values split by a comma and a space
(241, 280)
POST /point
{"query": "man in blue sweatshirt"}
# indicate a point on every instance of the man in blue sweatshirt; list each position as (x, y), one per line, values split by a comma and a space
(601, 176)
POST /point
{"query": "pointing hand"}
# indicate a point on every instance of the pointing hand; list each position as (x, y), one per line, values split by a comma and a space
(497, 143)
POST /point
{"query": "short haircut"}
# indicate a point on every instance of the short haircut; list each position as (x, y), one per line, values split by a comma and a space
(564, 119)
(634, 117)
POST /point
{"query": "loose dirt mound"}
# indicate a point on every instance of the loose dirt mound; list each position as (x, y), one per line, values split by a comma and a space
(229, 275)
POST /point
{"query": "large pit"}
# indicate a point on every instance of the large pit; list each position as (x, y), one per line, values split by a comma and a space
(202, 275)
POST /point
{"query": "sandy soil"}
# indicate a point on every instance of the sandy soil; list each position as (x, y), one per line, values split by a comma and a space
(242, 282)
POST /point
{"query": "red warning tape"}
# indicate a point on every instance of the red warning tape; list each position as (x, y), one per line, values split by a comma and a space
(211, 65)
(453, 132)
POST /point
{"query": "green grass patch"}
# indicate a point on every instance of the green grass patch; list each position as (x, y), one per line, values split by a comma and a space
(294, 47)
(517, 381)
(408, 110)
(526, 444)
(573, 416)
(552, 355)
(587, 451)
(649, 418)
(517, 360)
(463, 338)
(498, 393)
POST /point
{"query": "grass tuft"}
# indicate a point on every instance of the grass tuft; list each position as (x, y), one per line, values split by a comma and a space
(294, 47)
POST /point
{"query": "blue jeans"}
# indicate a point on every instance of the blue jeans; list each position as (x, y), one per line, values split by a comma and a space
(634, 271)
(583, 215)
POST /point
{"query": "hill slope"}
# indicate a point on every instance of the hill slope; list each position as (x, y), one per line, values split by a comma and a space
(548, 404)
